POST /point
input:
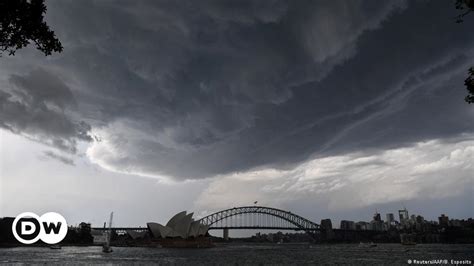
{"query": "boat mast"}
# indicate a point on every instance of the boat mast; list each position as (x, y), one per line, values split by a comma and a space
(109, 233)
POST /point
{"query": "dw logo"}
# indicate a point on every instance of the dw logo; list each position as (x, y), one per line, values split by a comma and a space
(28, 228)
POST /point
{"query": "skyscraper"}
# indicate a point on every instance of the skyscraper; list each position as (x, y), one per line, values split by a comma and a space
(377, 217)
(326, 224)
(390, 218)
(443, 220)
(403, 215)
(347, 225)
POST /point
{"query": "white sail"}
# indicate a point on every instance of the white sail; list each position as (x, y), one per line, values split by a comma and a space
(106, 247)
(109, 235)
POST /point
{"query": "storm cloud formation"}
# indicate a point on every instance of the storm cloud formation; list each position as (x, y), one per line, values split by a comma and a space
(354, 180)
(195, 89)
(36, 106)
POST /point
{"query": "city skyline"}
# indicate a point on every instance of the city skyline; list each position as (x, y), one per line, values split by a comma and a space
(329, 109)
(396, 219)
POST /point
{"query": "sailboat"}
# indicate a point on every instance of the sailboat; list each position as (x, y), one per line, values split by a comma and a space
(106, 247)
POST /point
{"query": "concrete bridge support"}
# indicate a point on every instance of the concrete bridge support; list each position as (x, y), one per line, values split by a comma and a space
(226, 234)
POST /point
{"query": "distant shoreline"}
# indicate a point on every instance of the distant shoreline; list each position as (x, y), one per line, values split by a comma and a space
(240, 243)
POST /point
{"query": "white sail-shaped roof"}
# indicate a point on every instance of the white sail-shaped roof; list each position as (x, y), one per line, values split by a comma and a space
(194, 229)
(154, 229)
(203, 229)
(166, 231)
(183, 225)
(136, 235)
(159, 230)
(173, 221)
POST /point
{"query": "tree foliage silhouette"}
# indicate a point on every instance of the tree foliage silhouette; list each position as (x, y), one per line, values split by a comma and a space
(466, 7)
(21, 23)
(469, 82)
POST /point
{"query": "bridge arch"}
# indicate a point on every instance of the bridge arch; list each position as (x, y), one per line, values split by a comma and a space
(299, 222)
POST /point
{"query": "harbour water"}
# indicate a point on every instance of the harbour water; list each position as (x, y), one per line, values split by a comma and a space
(245, 254)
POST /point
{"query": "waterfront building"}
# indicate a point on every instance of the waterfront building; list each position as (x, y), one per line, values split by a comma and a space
(403, 215)
(377, 217)
(443, 220)
(136, 235)
(362, 225)
(376, 225)
(455, 223)
(98, 237)
(390, 218)
(347, 225)
(326, 224)
(181, 225)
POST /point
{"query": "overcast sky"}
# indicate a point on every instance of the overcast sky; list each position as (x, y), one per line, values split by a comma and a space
(328, 109)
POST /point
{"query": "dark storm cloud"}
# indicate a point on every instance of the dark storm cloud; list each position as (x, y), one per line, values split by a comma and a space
(36, 105)
(190, 89)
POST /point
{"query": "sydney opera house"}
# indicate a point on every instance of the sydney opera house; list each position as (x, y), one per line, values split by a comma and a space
(181, 225)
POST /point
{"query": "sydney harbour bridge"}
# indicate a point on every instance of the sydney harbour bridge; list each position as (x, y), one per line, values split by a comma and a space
(249, 217)
(258, 217)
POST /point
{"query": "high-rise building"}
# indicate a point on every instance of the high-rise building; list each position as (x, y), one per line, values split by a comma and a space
(326, 224)
(443, 220)
(420, 223)
(376, 224)
(377, 217)
(362, 225)
(390, 218)
(347, 225)
(403, 215)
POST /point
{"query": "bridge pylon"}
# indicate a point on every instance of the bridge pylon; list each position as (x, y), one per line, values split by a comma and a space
(226, 234)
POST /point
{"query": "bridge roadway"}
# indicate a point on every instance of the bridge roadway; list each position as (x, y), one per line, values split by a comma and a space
(124, 230)
(142, 229)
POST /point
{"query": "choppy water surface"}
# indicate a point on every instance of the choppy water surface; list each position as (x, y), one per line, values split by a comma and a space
(242, 254)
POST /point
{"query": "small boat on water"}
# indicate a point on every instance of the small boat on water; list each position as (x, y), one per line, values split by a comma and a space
(106, 247)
